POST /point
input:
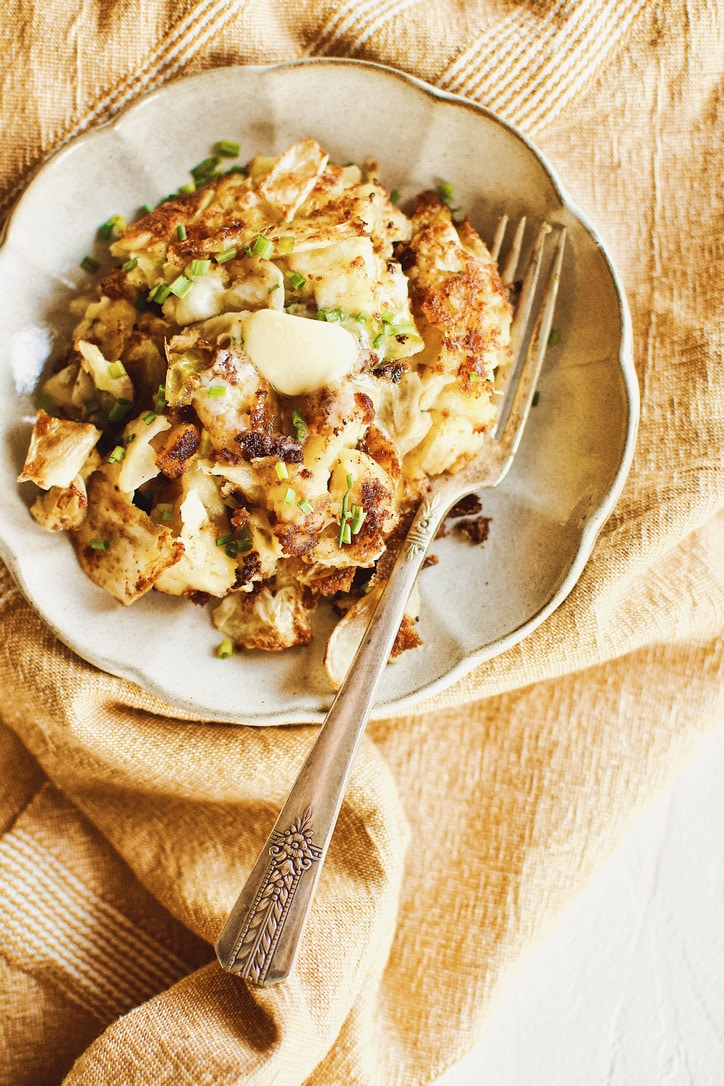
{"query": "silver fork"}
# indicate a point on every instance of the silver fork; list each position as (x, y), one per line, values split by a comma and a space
(261, 937)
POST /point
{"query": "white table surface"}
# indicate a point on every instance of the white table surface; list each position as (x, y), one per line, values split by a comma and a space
(628, 989)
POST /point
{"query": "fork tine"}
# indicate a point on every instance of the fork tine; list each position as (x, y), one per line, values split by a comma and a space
(499, 235)
(526, 371)
(511, 265)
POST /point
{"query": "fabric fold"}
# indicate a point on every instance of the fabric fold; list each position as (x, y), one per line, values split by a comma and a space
(473, 818)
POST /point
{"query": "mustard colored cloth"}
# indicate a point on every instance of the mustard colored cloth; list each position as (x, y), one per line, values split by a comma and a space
(470, 824)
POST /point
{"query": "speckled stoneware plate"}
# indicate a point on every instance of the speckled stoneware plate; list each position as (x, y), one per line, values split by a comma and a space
(576, 451)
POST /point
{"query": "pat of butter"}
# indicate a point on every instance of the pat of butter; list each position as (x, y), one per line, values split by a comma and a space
(298, 354)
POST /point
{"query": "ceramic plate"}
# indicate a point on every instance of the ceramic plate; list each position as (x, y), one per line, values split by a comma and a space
(476, 601)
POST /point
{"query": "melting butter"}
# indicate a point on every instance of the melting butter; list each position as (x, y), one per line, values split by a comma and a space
(297, 354)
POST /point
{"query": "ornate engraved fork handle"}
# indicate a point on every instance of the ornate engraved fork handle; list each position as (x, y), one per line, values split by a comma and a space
(261, 936)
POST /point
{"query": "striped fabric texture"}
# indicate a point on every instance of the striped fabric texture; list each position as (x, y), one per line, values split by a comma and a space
(472, 822)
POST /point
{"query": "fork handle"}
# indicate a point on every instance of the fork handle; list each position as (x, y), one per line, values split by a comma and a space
(261, 937)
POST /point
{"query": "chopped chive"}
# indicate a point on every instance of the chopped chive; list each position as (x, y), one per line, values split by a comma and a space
(225, 649)
(245, 540)
(285, 244)
(536, 398)
(159, 293)
(378, 340)
(181, 286)
(98, 544)
(181, 232)
(203, 171)
(117, 455)
(165, 511)
(216, 391)
(160, 402)
(130, 264)
(231, 549)
(296, 280)
(222, 540)
(346, 533)
(113, 226)
(188, 187)
(228, 254)
(131, 438)
(305, 506)
(116, 369)
(263, 247)
(119, 411)
(200, 267)
(300, 426)
(228, 148)
(332, 315)
(349, 481)
(554, 337)
(290, 497)
(387, 317)
(145, 209)
(89, 264)
(281, 469)
(362, 317)
(149, 417)
(445, 191)
(404, 328)
(358, 517)
(395, 196)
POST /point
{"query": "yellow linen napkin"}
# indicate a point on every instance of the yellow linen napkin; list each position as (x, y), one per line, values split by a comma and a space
(471, 823)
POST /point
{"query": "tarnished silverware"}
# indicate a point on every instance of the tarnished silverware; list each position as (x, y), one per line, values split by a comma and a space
(262, 934)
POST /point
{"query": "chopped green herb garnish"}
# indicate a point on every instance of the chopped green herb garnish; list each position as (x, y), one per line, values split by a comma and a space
(205, 170)
(112, 227)
(89, 264)
(98, 544)
(216, 391)
(119, 411)
(387, 317)
(200, 267)
(116, 369)
(222, 540)
(263, 247)
(395, 196)
(362, 317)
(228, 254)
(554, 337)
(285, 244)
(228, 148)
(225, 648)
(245, 540)
(358, 516)
(378, 340)
(188, 187)
(130, 264)
(296, 280)
(290, 496)
(305, 506)
(117, 455)
(331, 315)
(300, 426)
(281, 470)
(181, 232)
(160, 402)
(159, 293)
(445, 191)
(536, 398)
(181, 286)
(150, 415)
